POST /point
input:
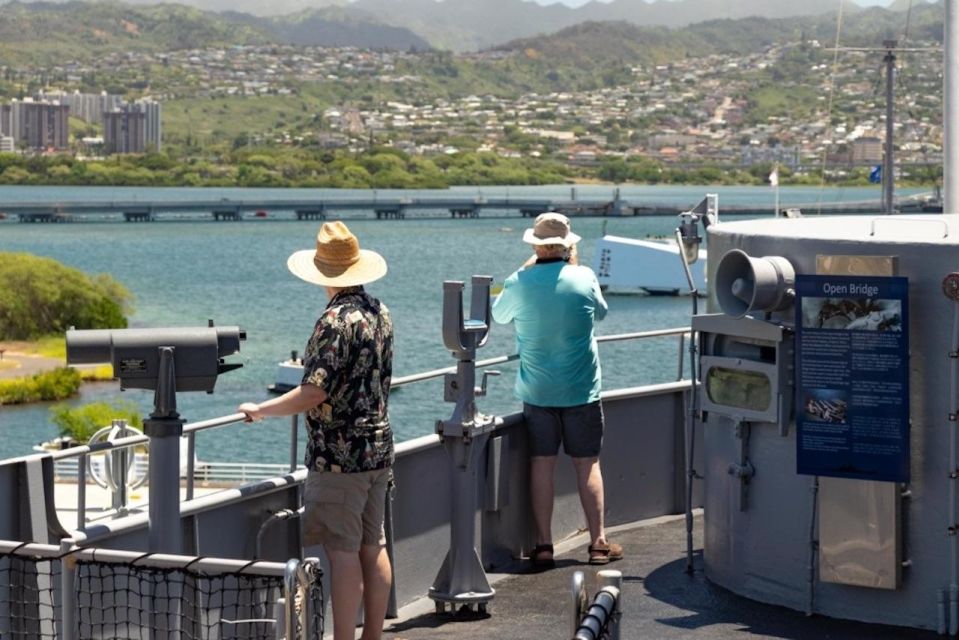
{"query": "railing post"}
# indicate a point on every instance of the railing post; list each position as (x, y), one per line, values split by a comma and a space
(614, 579)
(190, 463)
(578, 601)
(279, 614)
(289, 593)
(68, 592)
(82, 492)
(294, 423)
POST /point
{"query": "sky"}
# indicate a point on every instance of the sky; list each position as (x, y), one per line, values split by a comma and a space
(577, 3)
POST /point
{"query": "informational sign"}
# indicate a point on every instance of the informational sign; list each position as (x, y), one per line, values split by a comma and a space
(852, 378)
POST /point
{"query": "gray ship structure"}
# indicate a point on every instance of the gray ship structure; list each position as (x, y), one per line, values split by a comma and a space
(807, 465)
(796, 479)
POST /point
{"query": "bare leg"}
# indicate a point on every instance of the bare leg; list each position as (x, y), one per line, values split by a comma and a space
(589, 481)
(541, 470)
(377, 579)
(346, 591)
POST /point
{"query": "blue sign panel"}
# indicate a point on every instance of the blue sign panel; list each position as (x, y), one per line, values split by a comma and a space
(852, 377)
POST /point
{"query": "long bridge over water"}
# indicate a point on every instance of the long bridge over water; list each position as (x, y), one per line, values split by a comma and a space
(228, 209)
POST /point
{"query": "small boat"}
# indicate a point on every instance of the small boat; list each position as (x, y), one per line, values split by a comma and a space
(289, 374)
(627, 265)
(260, 214)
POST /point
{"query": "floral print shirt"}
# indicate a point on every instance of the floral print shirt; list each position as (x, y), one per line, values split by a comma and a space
(350, 356)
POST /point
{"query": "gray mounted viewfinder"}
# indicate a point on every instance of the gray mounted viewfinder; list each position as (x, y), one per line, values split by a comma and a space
(198, 354)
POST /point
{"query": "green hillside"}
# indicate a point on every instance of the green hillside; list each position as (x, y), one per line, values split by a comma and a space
(41, 33)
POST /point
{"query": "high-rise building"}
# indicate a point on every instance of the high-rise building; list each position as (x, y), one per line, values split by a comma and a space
(132, 128)
(124, 131)
(36, 125)
(89, 107)
(6, 120)
(151, 109)
(42, 126)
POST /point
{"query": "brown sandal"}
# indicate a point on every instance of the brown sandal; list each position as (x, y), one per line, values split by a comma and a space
(604, 553)
(539, 557)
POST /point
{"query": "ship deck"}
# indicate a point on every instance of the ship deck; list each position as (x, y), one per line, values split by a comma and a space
(659, 600)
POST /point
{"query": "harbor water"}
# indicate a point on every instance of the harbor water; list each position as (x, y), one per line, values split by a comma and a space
(184, 272)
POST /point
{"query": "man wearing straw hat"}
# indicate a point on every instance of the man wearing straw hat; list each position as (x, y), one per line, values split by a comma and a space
(346, 383)
(553, 303)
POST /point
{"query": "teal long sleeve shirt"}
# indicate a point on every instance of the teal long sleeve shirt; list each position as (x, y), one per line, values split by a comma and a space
(553, 306)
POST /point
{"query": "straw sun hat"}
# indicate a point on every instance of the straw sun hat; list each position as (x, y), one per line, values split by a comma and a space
(337, 260)
(551, 228)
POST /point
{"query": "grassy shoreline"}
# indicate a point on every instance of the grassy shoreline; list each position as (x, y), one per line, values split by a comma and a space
(52, 380)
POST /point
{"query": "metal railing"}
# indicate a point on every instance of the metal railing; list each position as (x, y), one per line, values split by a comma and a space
(243, 472)
(598, 620)
(681, 332)
(212, 473)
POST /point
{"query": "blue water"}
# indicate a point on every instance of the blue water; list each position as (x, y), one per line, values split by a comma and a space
(185, 272)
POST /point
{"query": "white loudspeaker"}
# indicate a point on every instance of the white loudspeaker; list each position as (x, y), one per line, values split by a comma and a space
(745, 284)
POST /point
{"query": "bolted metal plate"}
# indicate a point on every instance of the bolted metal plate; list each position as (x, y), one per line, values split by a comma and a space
(950, 286)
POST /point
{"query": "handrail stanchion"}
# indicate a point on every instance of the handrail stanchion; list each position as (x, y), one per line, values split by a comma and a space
(279, 614)
(294, 426)
(190, 463)
(462, 580)
(579, 600)
(289, 593)
(679, 372)
(612, 578)
(82, 492)
(68, 592)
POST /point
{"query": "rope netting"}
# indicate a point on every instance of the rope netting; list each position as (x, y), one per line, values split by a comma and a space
(132, 601)
(28, 588)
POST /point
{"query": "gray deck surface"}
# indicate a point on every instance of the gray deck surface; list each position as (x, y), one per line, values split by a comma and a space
(659, 601)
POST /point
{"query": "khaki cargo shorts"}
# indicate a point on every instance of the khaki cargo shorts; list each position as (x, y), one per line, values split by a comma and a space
(345, 510)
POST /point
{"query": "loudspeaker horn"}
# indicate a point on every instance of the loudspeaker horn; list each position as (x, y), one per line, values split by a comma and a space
(745, 284)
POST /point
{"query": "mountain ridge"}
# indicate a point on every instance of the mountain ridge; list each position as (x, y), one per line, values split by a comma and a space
(469, 25)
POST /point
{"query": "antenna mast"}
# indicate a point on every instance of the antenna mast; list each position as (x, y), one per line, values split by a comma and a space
(889, 167)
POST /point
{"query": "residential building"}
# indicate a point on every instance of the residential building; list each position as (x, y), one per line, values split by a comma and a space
(89, 107)
(7, 144)
(133, 127)
(153, 127)
(124, 131)
(866, 150)
(41, 126)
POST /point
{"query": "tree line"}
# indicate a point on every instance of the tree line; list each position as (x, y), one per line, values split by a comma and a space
(388, 168)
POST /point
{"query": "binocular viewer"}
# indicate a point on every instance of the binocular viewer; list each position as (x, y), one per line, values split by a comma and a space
(197, 354)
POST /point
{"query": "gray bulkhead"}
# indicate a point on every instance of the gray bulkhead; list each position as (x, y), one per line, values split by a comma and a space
(763, 552)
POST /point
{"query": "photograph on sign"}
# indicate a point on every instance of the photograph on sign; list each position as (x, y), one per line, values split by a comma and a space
(852, 314)
(826, 405)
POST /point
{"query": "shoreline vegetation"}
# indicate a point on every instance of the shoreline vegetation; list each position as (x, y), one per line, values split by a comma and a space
(40, 299)
(46, 376)
(388, 168)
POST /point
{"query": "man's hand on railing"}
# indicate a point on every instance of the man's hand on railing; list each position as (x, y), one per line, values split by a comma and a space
(252, 411)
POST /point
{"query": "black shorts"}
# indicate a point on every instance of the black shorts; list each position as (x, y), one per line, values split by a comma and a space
(579, 428)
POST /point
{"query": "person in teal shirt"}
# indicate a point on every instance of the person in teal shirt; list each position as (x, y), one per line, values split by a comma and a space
(553, 303)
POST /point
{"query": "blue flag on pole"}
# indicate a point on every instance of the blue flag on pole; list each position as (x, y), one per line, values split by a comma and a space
(875, 176)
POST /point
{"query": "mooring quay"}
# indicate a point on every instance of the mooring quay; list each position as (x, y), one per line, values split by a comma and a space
(226, 209)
